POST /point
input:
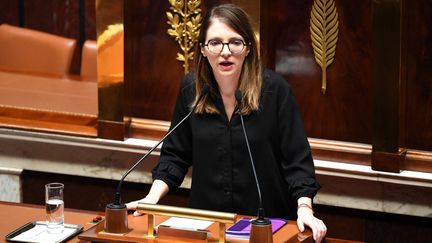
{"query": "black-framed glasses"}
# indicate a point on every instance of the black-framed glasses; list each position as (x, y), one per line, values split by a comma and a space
(235, 46)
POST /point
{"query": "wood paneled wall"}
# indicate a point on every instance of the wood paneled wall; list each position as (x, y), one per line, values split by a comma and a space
(359, 105)
(379, 87)
(152, 74)
(417, 74)
(9, 12)
(345, 111)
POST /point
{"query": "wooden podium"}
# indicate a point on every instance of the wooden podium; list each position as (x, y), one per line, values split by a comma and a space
(287, 234)
(142, 228)
(15, 215)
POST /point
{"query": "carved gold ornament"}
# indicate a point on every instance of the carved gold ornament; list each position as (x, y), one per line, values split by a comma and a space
(324, 34)
(185, 21)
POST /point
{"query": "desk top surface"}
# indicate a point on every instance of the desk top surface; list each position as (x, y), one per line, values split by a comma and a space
(14, 215)
(48, 93)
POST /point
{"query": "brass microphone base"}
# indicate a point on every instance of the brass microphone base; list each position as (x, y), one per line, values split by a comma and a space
(261, 231)
(116, 218)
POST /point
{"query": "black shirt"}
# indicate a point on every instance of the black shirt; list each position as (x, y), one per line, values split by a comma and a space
(222, 176)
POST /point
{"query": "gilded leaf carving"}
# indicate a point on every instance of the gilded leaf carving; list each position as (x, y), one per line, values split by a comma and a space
(324, 28)
(184, 21)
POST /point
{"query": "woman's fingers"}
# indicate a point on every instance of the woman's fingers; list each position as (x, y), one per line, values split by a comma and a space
(136, 214)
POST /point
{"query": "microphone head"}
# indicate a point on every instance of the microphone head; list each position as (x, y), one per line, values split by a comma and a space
(238, 95)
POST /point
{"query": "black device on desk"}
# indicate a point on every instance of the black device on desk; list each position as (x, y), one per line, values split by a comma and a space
(36, 231)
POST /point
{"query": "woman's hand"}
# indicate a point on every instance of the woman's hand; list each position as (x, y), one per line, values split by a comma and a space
(133, 205)
(305, 217)
(157, 190)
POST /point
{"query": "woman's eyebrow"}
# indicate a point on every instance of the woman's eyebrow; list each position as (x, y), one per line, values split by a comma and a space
(230, 39)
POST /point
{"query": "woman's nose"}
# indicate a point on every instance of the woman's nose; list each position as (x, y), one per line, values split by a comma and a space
(225, 50)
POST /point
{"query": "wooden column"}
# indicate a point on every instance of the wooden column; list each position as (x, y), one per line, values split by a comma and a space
(386, 46)
(109, 28)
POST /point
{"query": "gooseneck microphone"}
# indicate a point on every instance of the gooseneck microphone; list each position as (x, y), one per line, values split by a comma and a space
(260, 214)
(261, 230)
(116, 213)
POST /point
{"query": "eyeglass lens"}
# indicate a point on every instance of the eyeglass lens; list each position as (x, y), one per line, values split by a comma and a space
(234, 46)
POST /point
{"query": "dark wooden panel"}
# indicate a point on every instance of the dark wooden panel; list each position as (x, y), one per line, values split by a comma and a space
(98, 192)
(345, 111)
(152, 75)
(89, 20)
(386, 46)
(374, 227)
(9, 12)
(418, 93)
(386, 74)
(56, 17)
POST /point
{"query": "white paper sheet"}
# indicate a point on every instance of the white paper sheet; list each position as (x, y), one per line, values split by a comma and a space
(187, 224)
(39, 234)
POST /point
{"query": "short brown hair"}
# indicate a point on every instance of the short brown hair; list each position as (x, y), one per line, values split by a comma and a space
(250, 82)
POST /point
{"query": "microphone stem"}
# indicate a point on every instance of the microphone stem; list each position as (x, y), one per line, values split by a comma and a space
(117, 200)
(117, 195)
(260, 207)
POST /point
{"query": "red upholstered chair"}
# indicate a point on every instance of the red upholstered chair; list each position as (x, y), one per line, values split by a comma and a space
(89, 61)
(36, 52)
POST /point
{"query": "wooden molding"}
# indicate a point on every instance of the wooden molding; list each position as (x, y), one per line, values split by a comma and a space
(418, 160)
(388, 162)
(323, 149)
(331, 150)
(111, 130)
(147, 128)
(48, 121)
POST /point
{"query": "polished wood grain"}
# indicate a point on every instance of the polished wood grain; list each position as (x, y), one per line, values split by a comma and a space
(354, 153)
(56, 17)
(9, 12)
(345, 114)
(386, 45)
(288, 233)
(418, 160)
(152, 73)
(147, 128)
(48, 121)
(89, 19)
(345, 111)
(418, 90)
(20, 214)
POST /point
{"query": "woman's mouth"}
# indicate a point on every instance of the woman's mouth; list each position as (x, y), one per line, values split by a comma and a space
(226, 65)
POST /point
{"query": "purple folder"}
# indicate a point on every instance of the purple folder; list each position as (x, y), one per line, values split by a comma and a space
(241, 229)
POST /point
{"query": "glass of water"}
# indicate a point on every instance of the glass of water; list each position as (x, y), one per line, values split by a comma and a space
(54, 206)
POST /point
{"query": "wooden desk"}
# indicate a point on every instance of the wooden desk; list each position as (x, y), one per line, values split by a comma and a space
(287, 234)
(14, 215)
(44, 103)
(48, 93)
